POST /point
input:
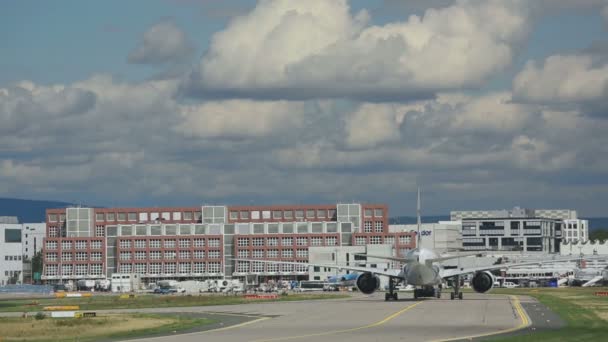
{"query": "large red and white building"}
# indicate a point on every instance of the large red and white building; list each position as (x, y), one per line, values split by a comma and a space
(201, 242)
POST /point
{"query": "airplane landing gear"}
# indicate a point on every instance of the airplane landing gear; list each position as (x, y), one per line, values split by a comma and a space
(456, 293)
(391, 295)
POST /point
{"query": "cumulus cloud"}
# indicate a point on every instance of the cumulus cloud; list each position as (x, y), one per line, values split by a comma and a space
(162, 43)
(308, 49)
(564, 79)
(240, 118)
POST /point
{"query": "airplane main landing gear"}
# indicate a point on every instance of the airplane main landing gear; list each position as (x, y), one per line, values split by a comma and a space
(391, 291)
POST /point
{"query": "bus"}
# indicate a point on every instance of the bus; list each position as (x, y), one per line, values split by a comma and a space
(311, 285)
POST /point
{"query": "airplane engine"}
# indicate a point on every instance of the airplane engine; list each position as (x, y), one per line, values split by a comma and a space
(367, 283)
(483, 281)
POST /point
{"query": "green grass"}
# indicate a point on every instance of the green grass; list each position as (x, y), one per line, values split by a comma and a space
(585, 314)
(101, 302)
(102, 328)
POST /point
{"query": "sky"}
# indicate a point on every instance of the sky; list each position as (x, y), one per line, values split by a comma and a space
(484, 104)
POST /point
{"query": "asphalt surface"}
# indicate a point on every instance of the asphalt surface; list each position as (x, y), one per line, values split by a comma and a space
(362, 318)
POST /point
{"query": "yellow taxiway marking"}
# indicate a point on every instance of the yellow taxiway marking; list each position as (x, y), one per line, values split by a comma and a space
(523, 317)
(334, 332)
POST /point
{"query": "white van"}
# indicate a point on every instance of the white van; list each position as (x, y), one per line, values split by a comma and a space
(509, 285)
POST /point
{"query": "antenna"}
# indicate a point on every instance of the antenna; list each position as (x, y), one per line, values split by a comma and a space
(418, 220)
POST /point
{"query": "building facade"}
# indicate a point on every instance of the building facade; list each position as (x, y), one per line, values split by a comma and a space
(201, 242)
(11, 259)
(575, 230)
(518, 229)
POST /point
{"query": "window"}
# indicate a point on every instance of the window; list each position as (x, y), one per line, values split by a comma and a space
(170, 230)
(257, 242)
(52, 217)
(405, 239)
(140, 268)
(51, 270)
(169, 243)
(170, 255)
(199, 242)
(125, 268)
(214, 242)
(184, 267)
(258, 253)
(257, 267)
(321, 213)
(367, 226)
(368, 212)
(288, 214)
(155, 255)
(81, 244)
(51, 245)
(242, 242)
(389, 240)
(170, 268)
(140, 244)
(302, 241)
(299, 214)
(378, 226)
(214, 267)
(81, 270)
(378, 212)
(96, 256)
(184, 254)
(96, 269)
(125, 244)
(234, 215)
(187, 216)
(272, 241)
(184, 243)
(110, 217)
(199, 254)
(316, 241)
(302, 253)
(125, 255)
(52, 231)
(287, 253)
(375, 240)
(243, 253)
(213, 254)
(242, 267)
(154, 243)
(310, 214)
(51, 256)
(155, 268)
(140, 255)
(99, 217)
(122, 216)
(331, 241)
(277, 214)
(360, 241)
(198, 267)
(331, 213)
(66, 256)
(287, 241)
(66, 244)
(100, 231)
(66, 270)
(244, 215)
(272, 253)
(132, 216)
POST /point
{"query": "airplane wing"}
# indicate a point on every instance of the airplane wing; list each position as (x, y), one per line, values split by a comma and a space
(593, 281)
(385, 257)
(377, 271)
(448, 273)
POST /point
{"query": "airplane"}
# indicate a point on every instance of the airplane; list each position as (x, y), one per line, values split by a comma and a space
(588, 277)
(347, 279)
(422, 270)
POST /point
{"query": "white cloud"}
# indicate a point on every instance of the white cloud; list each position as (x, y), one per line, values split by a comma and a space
(240, 118)
(162, 43)
(305, 49)
(373, 124)
(563, 79)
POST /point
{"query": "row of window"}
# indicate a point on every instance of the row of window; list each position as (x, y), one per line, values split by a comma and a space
(196, 267)
(56, 218)
(78, 270)
(12, 257)
(69, 256)
(377, 225)
(273, 253)
(287, 241)
(169, 255)
(282, 214)
(169, 243)
(12, 273)
(379, 240)
(258, 267)
(145, 216)
(78, 244)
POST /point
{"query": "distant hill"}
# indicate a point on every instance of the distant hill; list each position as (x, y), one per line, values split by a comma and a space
(28, 211)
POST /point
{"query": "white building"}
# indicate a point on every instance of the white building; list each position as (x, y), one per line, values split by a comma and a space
(575, 230)
(443, 237)
(11, 259)
(584, 248)
(32, 236)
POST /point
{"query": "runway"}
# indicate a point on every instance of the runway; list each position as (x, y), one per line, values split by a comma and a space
(363, 318)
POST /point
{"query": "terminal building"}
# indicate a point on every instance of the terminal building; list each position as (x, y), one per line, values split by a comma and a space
(201, 242)
(519, 229)
(18, 244)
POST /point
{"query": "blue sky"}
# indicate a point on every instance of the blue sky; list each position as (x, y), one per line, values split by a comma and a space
(316, 101)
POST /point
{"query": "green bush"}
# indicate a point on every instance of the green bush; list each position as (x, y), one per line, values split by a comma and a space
(40, 316)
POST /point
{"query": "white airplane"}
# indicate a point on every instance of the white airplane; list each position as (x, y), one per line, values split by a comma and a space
(422, 270)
